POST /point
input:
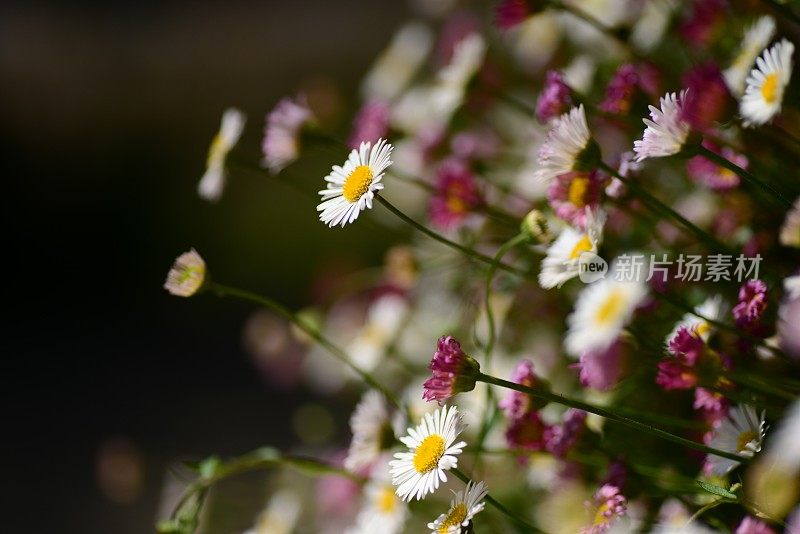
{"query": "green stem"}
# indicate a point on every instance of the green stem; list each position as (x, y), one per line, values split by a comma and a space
(452, 244)
(657, 205)
(524, 525)
(310, 330)
(743, 174)
(612, 416)
(491, 336)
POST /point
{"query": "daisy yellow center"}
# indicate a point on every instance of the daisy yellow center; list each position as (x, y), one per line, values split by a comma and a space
(428, 454)
(599, 517)
(456, 205)
(217, 150)
(577, 191)
(386, 502)
(610, 309)
(357, 183)
(770, 88)
(454, 517)
(745, 438)
(584, 245)
(702, 328)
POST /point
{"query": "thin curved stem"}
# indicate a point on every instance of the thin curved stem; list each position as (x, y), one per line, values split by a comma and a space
(524, 525)
(452, 244)
(612, 416)
(491, 335)
(743, 174)
(657, 205)
(310, 330)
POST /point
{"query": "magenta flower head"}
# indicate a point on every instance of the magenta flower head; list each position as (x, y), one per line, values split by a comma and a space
(713, 176)
(527, 432)
(708, 97)
(457, 195)
(752, 303)
(510, 13)
(517, 404)
(554, 99)
(560, 439)
(452, 371)
(602, 369)
(620, 90)
(751, 525)
(571, 193)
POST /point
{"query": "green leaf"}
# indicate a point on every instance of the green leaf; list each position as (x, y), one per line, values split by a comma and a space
(717, 490)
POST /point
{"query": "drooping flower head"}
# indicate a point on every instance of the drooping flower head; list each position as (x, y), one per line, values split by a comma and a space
(452, 371)
(187, 275)
(756, 38)
(372, 431)
(763, 96)
(464, 506)
(456, 195)
(213, 181)
(432, 451)
(352, 187)
(555, 97)
(666, 130)
(568, 146)
(284, 124)
(371, 123)
(572, 193)
(752, 303)
(620, 90)
(742, 432)
(608, 505)
(704, 171)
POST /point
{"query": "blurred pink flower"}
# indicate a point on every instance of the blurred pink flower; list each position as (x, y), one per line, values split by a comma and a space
(452, 371)
(554, 99)
(456, 195)
(752, 303)
(371, 123)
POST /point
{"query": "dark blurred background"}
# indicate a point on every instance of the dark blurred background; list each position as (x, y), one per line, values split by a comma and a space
(107, 111)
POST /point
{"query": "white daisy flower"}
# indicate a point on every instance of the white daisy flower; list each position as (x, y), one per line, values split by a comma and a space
(464, 506)
(352, 187)
(432, 451)
(711, 308)
(187, 274)
(756, 38)
(562, 262)
(213, 181)
(742, 432)
(451, 82)
(790, 231)
(398, 64)
(568, 138)
(371, 431)
(385, 318)
(666, 132)
(602, 310)
(765, 86)
(383, 510)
